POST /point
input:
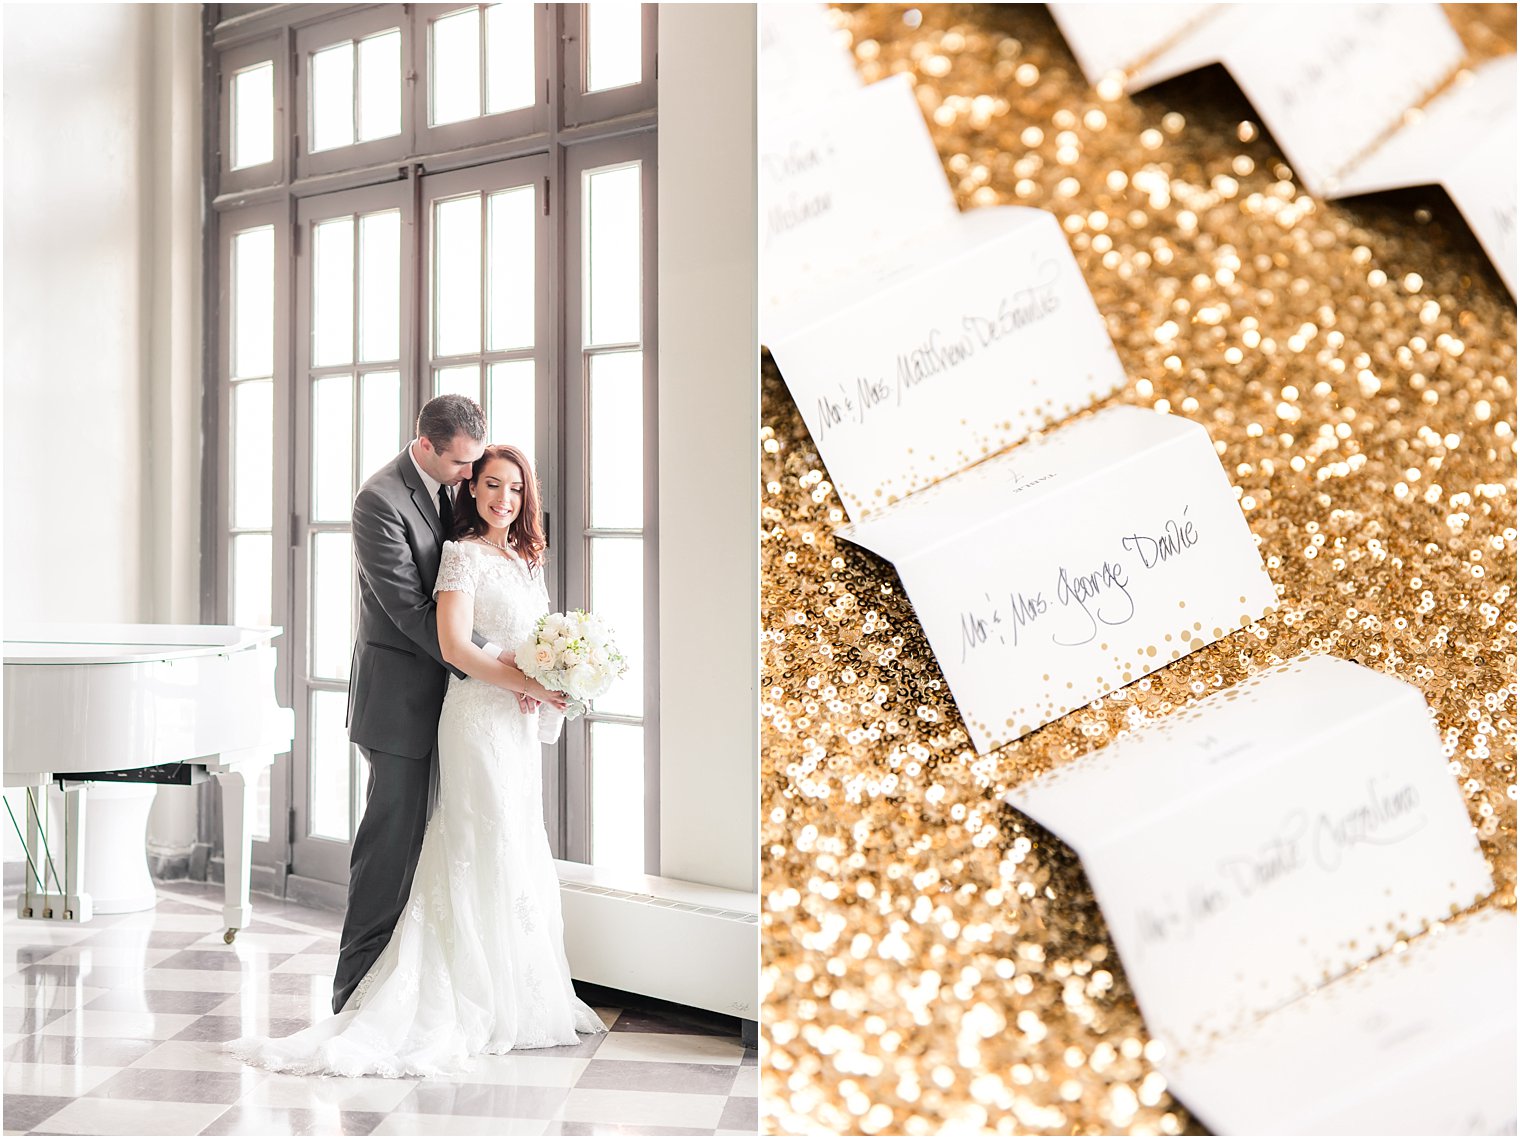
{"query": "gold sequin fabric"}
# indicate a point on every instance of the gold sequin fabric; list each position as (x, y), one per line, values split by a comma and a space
(930, 964)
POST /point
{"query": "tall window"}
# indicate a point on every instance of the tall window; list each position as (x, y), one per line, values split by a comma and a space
(414, 200)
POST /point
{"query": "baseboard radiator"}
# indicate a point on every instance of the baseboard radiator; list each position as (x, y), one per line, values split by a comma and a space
(678, 941)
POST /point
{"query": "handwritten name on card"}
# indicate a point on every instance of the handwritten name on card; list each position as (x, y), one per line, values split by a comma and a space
(841, 179)
(945, 351)
(1073, 565)
(1265, 840)
(1328, 87)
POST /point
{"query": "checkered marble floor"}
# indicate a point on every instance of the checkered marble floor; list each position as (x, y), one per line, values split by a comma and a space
(112, 1027)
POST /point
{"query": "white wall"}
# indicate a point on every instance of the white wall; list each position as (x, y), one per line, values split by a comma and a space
(709, 419)
(102, 323)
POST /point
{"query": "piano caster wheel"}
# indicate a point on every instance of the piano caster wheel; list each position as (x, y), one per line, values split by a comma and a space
(229, 935)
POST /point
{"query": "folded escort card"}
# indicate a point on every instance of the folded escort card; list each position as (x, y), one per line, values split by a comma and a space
(942, 352)
(1252, 848)
(1072, 565)
(1463, 141)
(1417, 1043)
(1328, 81)
(805, 62)
(841, 180)
(1109, 39)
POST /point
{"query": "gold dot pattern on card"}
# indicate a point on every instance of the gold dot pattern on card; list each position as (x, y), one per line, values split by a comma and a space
(931, 963)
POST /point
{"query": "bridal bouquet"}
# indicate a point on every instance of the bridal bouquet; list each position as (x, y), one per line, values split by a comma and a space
(572, 653)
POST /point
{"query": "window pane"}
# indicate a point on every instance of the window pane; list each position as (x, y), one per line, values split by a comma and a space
(457, 276)
(332, 292)
(332, 602)
(617, 439)
(617, 596)
(380, 286)
(253, 454)
(332, 97)
(510, 408)
(379, 111)
(253, 116)
(510, 223)
(379, 421)
(617, 796)
(464, 379)
(332, 455)
(614, 45)
(253, 303)
(511, 78)
(455, 69)
(361, 786)
(261, 804)
(329, 766)
(251, 581)
(611, 238)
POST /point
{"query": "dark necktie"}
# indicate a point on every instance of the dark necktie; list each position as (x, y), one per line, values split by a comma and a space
(445, 511)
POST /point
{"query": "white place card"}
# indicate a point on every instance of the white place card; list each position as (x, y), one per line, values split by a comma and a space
(1464, 141)
(1264, 841)
(805, 60)
(1418, 1043)
(947, 350)
(840, 181)
(1070, 566)
(1330, 81)
(1110, 39)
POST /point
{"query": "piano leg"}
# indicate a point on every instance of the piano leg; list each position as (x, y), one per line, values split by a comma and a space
(77, 902)
(239, 799)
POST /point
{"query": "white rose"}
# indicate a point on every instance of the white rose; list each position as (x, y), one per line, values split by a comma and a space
(574, 654)
(580, 680)
(543, 657)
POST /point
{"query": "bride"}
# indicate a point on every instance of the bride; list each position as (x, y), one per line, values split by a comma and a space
(477, 961)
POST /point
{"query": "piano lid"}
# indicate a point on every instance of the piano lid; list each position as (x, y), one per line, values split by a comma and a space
(75, 644)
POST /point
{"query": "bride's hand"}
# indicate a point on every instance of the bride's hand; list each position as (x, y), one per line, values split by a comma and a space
(528, 704)
(555, 700)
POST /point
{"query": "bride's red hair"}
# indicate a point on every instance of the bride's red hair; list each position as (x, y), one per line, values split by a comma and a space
(526, 533)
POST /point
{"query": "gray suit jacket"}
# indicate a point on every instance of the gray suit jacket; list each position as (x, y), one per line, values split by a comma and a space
(398, 676)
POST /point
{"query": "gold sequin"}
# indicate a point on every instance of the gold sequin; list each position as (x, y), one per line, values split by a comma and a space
(932, 964)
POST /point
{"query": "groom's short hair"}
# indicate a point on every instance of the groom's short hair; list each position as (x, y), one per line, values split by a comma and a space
(445, 416)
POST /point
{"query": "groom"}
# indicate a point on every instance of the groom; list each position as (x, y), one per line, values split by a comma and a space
(397, 679)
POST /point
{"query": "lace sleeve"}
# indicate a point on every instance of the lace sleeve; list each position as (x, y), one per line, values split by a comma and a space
(456, 571)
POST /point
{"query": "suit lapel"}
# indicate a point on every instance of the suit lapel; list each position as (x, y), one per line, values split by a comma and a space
(421, 499)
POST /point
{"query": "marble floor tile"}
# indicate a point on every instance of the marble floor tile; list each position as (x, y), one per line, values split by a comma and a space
(747, 1082)
(191, 1055)
(105, 1022)
(70, 1080)
(202, 980)
(157, 1000)
(453, 1125)
(94, 1116)
(498, 1101)
(228, 957)
(306, 1006)
(216, 1029)
(740, 1114)
(676, 1048)
(109, 1050)
(367, 1093)
(268, 1121)
(527, 1068)
(25, 1112)
(658, 1109)
(655, 1076)
(563, 1127)
(320, 964)
(181, 1085)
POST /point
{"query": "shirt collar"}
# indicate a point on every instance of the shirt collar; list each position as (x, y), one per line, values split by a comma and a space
(428, 480)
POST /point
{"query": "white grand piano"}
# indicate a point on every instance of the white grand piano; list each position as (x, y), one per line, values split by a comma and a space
(142, 703)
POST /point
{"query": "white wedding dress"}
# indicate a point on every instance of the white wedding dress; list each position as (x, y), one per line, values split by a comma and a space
(477, 961)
